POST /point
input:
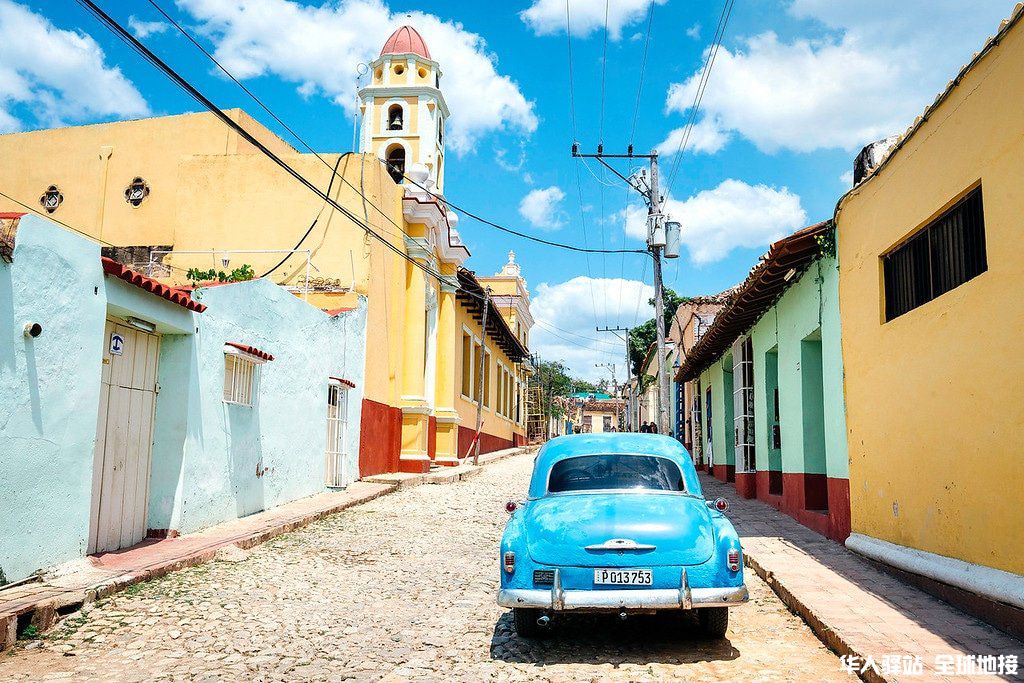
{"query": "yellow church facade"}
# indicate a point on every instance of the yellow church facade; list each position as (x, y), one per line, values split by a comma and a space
(168, 194)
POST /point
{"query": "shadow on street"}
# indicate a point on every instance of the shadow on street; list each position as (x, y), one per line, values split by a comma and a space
(605, 639)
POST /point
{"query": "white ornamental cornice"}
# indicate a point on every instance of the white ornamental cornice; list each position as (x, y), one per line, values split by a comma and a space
(431, 92)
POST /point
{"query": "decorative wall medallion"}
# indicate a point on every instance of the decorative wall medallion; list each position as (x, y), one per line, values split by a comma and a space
(51, 199)
(136, 192)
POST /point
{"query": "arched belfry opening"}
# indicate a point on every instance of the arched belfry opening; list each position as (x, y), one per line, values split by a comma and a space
(395, 160)
(395, 117)
(403, 111)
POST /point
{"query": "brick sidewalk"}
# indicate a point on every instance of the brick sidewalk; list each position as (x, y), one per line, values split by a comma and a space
(853, 607)
(98, 576)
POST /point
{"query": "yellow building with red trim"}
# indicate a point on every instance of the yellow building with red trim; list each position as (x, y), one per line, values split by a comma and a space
(168, 194)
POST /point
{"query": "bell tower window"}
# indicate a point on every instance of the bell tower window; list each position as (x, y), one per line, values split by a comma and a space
(396, 163)
(395, 117)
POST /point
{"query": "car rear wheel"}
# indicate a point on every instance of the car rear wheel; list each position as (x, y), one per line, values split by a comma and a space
(525, 620)
(714, 621)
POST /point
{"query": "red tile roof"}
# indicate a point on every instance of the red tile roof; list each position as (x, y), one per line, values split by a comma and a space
(346, 382)
(175, 296)
(337, 311)
(404, 41)
(251, 350)
(764, 285)
(10, 215)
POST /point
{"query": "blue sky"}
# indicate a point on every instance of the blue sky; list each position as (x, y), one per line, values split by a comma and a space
(798, 87)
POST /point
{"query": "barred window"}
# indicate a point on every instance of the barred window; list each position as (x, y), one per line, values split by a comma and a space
(946, 253)
(240, 376)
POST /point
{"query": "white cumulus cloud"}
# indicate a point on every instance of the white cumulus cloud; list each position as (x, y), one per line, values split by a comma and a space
(734, 214)
(547, 17)
(542, 207)
(867, 76)
(705, 136)
(143, 29)
(567, 313)
(58, 76)
(319, 47)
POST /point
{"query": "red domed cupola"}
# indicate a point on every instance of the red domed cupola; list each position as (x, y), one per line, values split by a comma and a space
(406, 40)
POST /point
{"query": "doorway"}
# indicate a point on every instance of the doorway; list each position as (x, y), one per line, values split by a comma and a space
(124, 438)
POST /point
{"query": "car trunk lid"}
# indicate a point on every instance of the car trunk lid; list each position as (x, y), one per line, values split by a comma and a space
(618, 530)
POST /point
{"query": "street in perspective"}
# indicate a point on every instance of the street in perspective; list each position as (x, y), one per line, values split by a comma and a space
(613, 341)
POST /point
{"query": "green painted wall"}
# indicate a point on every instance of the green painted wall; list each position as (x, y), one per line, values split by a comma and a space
(807, 315)
(719, 377)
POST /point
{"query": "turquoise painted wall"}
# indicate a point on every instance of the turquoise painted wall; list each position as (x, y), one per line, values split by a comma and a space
(49, 386)
(214, 461)
(50, 389)
(805, 316)
(205, 452)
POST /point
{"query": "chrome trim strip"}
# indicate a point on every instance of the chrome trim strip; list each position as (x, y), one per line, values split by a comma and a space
(657, 598)
(685, 595)
(620, 544)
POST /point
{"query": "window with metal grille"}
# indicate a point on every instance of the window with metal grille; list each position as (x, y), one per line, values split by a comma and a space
(337, 435)
(946, 253)
(240, 376)
(743, 405)
(467, 365)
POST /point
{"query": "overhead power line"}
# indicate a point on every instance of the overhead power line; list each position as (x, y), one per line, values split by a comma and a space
(122, 33)
(310, 149)
(709, 63)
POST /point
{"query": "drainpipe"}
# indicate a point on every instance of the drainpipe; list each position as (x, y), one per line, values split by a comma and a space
(105, 152)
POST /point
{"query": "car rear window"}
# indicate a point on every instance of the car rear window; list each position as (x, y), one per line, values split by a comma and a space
(615, 472)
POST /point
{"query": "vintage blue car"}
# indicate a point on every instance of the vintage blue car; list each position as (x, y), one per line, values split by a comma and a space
(617, 523)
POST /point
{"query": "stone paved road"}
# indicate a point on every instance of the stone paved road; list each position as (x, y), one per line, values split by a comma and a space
(401, 588)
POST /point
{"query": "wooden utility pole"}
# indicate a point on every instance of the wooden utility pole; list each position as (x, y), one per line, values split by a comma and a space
(656, 236)
(655, 218)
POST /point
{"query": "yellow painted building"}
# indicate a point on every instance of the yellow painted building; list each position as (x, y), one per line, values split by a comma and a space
(506, 359)
(172, 193)
(933, 328)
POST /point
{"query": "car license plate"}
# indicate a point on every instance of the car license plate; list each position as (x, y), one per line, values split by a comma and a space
(623, 577)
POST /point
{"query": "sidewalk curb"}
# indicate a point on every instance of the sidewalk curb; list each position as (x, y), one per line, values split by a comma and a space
(829, 636)
(44, 603)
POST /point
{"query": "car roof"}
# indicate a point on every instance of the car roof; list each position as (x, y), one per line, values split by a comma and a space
(628, 443)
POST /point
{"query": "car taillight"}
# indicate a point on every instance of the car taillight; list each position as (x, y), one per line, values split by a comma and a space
(511, 506)
(509, 561)
(734, 560)
(721, 504)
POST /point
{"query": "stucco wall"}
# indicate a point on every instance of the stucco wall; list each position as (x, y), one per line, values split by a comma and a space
(935, 398)
(205, 452)
(718, 376)
(809, 306)
(214, 461)
(50, 387)
(494, 424)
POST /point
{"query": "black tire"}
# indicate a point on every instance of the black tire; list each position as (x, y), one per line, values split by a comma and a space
(714, 621)
(525, 619)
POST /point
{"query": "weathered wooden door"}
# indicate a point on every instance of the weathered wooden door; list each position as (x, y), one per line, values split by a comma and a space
(124, 438)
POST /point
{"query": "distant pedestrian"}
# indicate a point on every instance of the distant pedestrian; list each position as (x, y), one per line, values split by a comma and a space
(652, 428)
(643, 428)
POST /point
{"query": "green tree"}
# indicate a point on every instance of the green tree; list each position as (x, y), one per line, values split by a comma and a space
(555, 379)
(642, 336)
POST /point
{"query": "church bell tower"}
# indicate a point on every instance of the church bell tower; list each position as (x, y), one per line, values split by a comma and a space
(403, 110)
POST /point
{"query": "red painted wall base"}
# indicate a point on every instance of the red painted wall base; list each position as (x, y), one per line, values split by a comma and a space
(726, 473)
(746, 484)
(380, 438)
(798, 488)
(488, 442)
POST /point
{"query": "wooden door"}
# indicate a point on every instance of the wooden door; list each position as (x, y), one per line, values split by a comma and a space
(124, 438)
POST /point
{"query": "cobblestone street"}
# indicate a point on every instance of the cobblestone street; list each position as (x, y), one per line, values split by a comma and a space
(401, 588)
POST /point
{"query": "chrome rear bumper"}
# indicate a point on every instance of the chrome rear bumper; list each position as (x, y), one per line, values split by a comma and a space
(683, 597)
